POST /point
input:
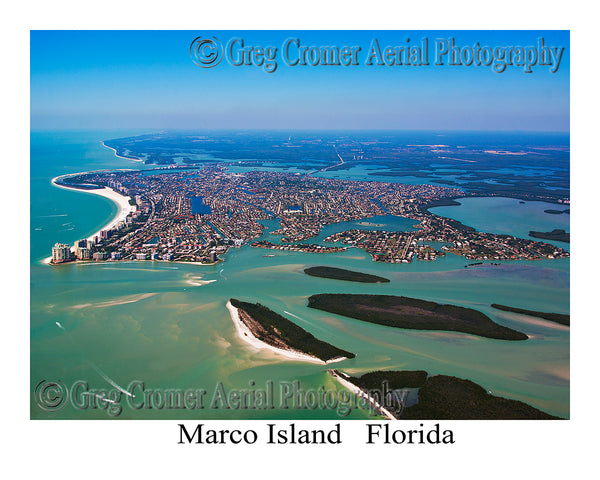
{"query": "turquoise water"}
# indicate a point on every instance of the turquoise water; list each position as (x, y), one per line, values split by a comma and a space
(65, 214)
(155, 322)
(508, 216)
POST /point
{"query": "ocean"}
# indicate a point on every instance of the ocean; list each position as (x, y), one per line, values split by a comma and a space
(96, 328)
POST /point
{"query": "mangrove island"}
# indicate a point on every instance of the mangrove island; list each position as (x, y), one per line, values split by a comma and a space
(557, 234)
(439, 397)
(343, 274)
(450, 398)
(561, 318)
(412, 313)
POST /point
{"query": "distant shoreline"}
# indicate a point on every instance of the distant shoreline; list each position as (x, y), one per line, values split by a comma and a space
(119, 156)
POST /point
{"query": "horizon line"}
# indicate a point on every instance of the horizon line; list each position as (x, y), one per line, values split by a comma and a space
(278, 129)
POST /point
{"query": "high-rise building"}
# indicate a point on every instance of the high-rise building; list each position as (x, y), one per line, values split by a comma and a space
(83, 253)
(78, 246)
(81, 244)
(212, 256)
(61, 253)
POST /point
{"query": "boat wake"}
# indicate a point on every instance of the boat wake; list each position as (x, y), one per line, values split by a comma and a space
(96, 368)
(110, 380)
(296, 316)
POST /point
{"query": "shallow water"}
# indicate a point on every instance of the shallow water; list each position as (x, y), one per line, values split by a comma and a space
(160, 323)
(508, 216)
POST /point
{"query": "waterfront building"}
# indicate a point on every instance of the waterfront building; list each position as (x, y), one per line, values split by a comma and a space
(140, 256)
(83, 253)
(61, 253)
(100, 256)
(116, 256)
(80, 244)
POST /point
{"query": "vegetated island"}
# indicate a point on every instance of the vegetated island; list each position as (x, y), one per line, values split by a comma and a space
(450, 398)
(412, 313)
(440, 397)
(557, 234)
(558, 212)
(561, 318)
(395, 379)
(342, 274)
(386, 391)
(264, 328)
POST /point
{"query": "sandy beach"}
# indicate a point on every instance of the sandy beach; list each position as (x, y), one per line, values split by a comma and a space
(354, 389)
(246, 335)
(193, 263)
(122, 202)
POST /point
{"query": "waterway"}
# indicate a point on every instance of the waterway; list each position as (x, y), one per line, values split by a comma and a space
(159, 323)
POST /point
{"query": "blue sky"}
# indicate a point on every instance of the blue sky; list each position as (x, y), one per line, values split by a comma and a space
(145, 79)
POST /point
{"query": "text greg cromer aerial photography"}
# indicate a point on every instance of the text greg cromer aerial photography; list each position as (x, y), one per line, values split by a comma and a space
(291, 225)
